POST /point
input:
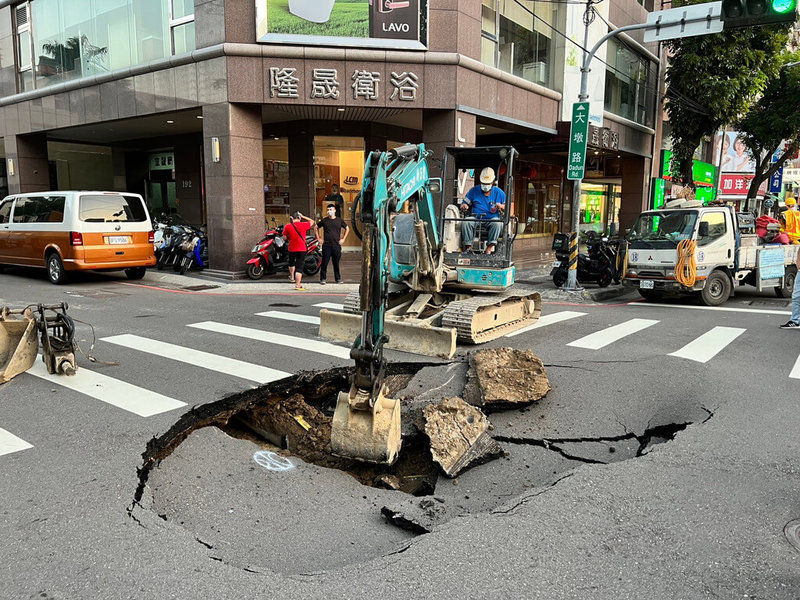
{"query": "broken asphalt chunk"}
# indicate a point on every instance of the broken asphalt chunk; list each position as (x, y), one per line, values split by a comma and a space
(501, 378)
(459, 436)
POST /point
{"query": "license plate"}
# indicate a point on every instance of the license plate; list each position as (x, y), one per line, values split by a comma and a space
(556, 263)
(646, 284)
(118, 239)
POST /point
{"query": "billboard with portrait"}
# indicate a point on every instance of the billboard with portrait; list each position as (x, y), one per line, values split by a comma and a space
(731, 153)
(398, 24)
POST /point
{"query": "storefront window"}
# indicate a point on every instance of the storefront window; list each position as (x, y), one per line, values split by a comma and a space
(79, 38)
(600, 208)
(276, 176)
(630, 84)
(338, 161)
(538, 193)
(520, 41)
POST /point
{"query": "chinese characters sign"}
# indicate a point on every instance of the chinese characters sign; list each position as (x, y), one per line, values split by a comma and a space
(400, 24)
(325, 84)
(578, 137)
(603, 137)
(737, 185)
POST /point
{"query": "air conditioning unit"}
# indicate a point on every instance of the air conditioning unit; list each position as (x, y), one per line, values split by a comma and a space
(535, 72)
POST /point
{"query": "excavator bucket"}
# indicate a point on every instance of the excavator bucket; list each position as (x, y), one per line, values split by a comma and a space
(408, 336)
(369, 434)
(19, 345)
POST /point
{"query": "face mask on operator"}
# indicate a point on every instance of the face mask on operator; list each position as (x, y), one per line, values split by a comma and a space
(486, 187)
(331, 212)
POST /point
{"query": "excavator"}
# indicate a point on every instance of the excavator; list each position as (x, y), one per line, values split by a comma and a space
(419, 290)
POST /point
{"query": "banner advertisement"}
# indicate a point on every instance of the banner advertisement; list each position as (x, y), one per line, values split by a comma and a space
(732, 154)
(397, 24)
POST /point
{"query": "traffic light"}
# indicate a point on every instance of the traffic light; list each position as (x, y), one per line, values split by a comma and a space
(746, 13)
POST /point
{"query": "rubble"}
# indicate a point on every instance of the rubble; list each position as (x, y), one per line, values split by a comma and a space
(416, 516)
(502, 378)
(459, 436)
(429, 386)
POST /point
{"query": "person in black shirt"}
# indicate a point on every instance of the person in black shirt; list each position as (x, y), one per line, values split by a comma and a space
(337, 200)
(335, 230)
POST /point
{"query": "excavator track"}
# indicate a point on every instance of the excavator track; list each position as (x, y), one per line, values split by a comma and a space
(487, 317)
(352, 303)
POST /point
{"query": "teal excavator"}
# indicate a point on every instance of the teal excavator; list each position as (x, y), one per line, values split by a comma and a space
(419, 291)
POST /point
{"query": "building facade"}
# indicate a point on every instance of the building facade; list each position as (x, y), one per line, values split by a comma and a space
(233, 112)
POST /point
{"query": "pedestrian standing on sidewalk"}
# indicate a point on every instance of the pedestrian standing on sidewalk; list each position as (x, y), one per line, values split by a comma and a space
(337, 200)
(794, 322)
(335, 231)
(295, 233)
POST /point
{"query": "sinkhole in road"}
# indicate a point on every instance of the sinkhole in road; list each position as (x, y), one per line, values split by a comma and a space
(251, 476)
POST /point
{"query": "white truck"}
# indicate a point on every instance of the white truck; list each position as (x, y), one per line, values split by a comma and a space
(727, 254)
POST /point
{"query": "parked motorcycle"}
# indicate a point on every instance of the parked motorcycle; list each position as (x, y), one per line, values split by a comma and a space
(598, 265)
(271, 254)
(194, 249)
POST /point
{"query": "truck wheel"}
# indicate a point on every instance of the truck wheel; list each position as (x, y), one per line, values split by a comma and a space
(788, 283)
(717, 289)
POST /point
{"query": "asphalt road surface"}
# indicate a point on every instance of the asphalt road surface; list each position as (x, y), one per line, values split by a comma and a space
(662, 465)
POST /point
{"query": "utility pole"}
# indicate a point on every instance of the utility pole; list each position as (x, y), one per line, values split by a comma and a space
(685, 21)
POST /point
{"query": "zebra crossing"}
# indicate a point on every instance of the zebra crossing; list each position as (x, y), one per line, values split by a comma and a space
(146, 403)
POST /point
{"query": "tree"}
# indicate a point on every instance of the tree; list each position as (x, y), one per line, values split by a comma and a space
(712, 80)
(771, 120)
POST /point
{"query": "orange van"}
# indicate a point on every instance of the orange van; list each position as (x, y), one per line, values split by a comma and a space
(74, 231)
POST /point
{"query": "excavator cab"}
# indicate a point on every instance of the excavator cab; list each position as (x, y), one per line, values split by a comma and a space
(475, 269)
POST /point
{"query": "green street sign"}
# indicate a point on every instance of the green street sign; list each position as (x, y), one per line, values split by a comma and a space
(578, 134)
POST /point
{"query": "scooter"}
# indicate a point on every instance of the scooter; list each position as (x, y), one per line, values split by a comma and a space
(271, 254)
(598, 265)
(194, 252)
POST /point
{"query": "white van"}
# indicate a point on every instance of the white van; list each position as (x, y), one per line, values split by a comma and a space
(74, 231)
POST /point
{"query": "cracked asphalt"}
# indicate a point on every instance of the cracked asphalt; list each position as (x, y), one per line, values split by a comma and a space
(698, 516)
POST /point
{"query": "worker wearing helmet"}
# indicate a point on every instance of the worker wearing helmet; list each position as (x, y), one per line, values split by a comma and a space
(791, 203)
(486, 201)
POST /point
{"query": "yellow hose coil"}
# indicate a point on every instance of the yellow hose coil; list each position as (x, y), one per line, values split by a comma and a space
(622, 259)
(686, 267)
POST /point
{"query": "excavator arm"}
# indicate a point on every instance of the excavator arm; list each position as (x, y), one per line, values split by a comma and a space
(366, 424)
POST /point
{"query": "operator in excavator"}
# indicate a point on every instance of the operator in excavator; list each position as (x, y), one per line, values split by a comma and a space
(486, 201)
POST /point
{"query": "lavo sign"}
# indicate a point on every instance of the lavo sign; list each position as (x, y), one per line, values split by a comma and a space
(400, 24)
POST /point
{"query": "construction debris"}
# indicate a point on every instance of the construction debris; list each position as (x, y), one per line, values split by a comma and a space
(459, 436)
(430, 385)
(501, 378)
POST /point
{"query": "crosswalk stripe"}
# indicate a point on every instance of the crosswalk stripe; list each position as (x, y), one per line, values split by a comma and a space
(763, 311)
(708, 345)
(10, 443)
(277, 314)
(331, 305)
(198, 358)
(795, 374)
(609, 335)
(126, 396)
(276, 338)
(545, 320)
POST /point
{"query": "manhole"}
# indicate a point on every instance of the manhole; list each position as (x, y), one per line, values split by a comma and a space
(792, 533)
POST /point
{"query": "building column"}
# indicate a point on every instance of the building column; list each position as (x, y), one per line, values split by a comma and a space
(28, 154)
(234, 184)
(443, 128)
(302, 189)
(635, 183)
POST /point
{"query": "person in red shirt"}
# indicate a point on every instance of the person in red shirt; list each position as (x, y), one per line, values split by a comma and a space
(295, 233)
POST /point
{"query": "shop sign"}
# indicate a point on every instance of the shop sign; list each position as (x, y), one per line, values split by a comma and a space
(398, 24)
(163, 161)
(325, 84)
(703, 173)
(731, 184)
(603, 137)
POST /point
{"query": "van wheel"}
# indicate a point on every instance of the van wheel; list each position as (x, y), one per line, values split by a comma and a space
(55, 269)
(135, 273)
(717, 289)
(788, 283)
